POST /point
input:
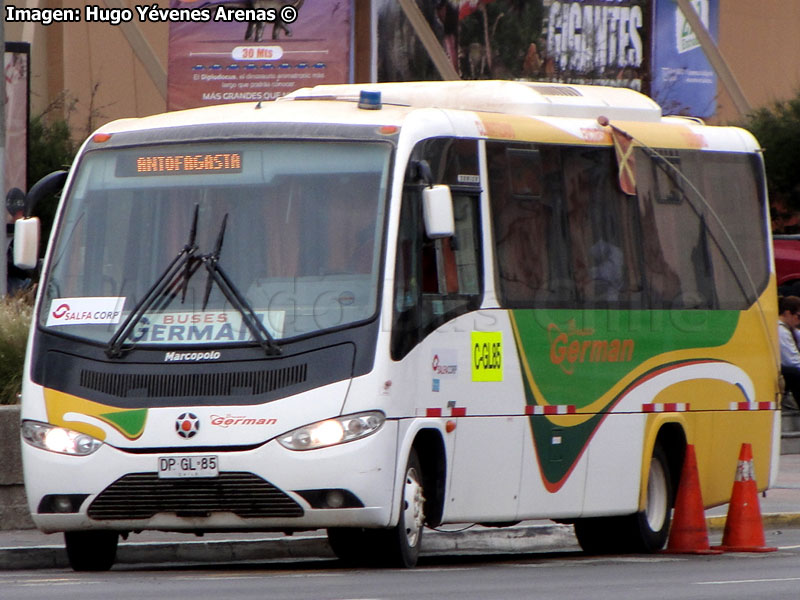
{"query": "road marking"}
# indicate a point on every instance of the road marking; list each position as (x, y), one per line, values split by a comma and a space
(734, 581)
(225, 577)
(437, 569)
(600, 560)
(61, 582)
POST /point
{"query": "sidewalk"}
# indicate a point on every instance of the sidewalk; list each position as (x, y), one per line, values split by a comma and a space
(31, 549)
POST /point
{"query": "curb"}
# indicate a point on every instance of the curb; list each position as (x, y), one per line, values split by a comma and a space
(473, 540)
(477, 541)
(717, 523)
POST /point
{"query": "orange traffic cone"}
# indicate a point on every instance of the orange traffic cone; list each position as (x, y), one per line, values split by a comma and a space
(688, 534)
(744, 531)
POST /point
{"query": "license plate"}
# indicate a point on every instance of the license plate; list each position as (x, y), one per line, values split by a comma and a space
(174, 467)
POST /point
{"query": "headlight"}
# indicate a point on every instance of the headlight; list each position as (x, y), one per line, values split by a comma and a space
(58, 439)
(333, 431)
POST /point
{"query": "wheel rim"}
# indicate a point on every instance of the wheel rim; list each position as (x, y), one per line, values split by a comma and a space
(656, 509)
(413, 502)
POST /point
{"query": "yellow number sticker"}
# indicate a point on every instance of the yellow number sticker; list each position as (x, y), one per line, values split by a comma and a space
(487, 356)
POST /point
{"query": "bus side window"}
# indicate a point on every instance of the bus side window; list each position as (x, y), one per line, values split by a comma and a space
(678, 270)
(603, 231)
(525, 193)
(435, 280)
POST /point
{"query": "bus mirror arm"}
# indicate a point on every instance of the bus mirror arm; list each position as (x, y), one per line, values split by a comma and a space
(46, 186)
(422, 172)
(26, 229)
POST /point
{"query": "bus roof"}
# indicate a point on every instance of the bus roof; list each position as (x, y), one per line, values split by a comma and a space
(335, 103)
(549, 112)
(507, 97)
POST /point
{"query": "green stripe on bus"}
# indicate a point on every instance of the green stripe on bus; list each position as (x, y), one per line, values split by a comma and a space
(129, 422)
(575, 357)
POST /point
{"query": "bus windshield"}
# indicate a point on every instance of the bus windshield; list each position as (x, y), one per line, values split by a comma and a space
(296, 227)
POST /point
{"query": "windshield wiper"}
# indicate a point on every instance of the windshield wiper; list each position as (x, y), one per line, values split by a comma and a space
(217, 275)
(184, 260)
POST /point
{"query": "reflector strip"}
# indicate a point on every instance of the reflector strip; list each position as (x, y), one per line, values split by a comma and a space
(753, 406)
(666, 407)
(560, 409)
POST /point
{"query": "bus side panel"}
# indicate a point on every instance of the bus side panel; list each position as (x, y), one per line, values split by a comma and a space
(546, 491)
(616, 456)
(466, 373)
(485, 478)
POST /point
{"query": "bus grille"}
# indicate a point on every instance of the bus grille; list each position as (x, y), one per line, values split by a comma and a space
(159, 385)
(143, 495)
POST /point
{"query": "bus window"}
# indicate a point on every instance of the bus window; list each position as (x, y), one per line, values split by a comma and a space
(526, 226)
(564, 233)
(603, 231)
(678, 268)
(738, 250)
(435, 280)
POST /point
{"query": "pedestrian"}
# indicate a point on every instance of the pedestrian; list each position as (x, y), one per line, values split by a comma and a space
(788, 322)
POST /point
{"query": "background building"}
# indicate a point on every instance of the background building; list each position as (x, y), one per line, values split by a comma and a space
(96, 72)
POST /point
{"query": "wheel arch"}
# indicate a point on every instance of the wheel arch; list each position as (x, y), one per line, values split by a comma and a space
(671, 436)
(430, 449)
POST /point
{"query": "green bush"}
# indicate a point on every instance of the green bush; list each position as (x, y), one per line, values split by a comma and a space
(15, 318)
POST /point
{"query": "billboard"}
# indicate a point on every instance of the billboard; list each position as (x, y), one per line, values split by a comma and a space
(603, 42)
(683, 81)
(572, 41)
(222, 51)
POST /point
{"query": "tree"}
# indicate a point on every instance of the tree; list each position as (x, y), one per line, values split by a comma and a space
(777, 128)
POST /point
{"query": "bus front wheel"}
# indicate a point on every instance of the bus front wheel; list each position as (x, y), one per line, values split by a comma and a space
(397, 546)
(401, 543)
(644, 531)
(91, 550)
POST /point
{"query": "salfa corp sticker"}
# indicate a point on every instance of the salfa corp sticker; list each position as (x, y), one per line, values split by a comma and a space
(85, 311)
(444, 362)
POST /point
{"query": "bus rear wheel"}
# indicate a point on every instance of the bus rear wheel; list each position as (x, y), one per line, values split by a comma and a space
(91, 550)
(642, 532)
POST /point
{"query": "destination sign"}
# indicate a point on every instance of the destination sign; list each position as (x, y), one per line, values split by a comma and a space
(178, 164)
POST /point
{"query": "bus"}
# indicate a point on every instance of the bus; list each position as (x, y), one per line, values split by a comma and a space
(377, 308)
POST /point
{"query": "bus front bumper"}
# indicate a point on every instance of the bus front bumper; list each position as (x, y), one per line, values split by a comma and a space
(266, 489)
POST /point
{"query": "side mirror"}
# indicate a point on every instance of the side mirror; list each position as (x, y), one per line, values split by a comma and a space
(437, 211)
(26, 243)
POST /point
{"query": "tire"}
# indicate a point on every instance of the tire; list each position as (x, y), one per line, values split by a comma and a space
(397, 546)
(642, 532)
(402, 542)
(352, 545)
(91, 550)
(649, 529)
